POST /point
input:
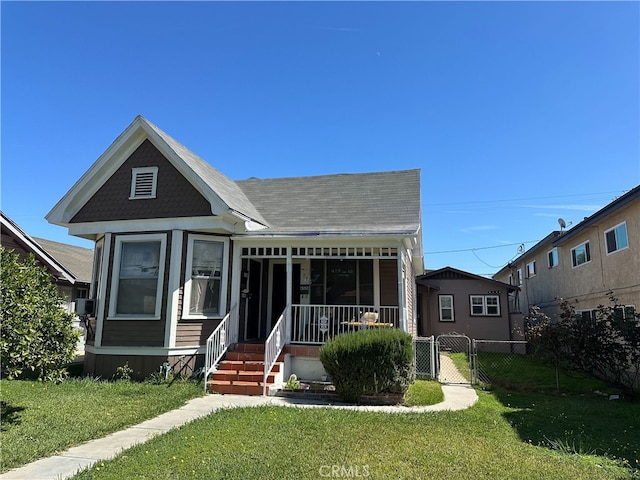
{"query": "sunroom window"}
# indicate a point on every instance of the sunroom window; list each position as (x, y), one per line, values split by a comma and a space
(205, 286)
(137, 282)
(342, 282)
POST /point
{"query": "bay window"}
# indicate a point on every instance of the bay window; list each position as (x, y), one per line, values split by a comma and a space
(206, 273)
(137, 283)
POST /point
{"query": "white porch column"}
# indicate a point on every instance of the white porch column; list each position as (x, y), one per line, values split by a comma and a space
(289, 269)
(236, 279)
(401, 293)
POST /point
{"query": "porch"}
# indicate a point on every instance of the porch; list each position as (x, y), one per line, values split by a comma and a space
(298, 333)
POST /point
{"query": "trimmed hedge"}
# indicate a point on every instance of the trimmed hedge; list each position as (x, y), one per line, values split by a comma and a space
(369, 361)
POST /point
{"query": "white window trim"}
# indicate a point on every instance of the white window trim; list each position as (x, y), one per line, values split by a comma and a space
(162, 238)
(531, 273)
(549, 253)
(453, 315)
(134, 180)
(618, 249)
(224, 279)
(484, 306)
(586, 242)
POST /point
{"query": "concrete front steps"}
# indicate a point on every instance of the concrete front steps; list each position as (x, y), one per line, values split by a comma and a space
(242, 370)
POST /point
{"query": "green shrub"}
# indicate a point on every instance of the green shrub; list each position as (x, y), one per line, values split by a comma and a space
(369, 361)
(37, 337)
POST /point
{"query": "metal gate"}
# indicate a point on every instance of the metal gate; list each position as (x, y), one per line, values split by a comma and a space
(452, 349)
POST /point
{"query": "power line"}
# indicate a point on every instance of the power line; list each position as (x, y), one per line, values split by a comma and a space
(481, 248)
(523, 199)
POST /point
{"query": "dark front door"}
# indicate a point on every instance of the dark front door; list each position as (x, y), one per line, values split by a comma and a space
(279, 289)
(253, 301)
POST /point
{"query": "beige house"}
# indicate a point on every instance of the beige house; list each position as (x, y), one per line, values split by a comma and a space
(599, 255)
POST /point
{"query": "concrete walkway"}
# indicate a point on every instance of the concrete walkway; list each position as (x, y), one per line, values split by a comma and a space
(70, 462)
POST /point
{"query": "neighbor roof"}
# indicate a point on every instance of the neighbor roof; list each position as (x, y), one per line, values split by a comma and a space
(78, 260)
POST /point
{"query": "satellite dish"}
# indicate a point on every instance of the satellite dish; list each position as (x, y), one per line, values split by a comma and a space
(562, 223)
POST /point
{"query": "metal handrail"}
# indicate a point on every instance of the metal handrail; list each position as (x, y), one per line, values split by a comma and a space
(224, 335)
(273, 347)
(315, 324)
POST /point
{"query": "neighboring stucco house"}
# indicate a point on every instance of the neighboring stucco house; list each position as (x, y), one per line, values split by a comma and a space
(582, 265)
(189, 262)
(454, 301)
(69, 265)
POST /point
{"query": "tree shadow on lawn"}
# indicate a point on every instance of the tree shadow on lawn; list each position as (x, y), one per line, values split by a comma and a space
(576, 424)
(9, 415)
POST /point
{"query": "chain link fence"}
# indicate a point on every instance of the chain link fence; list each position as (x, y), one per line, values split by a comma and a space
(457, 359)
(424, 351)
(493, 359)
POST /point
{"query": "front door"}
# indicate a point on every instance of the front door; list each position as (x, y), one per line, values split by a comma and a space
(279, 289)
(252, 297)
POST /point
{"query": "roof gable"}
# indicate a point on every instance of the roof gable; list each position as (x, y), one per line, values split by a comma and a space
(223, 195)
(29, 245)
(450, 273)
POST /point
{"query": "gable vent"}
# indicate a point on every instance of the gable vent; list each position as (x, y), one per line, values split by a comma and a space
(143, 182)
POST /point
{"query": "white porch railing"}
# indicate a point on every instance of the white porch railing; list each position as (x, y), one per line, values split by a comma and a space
(315, 324)
(273, 346)
(225, 334)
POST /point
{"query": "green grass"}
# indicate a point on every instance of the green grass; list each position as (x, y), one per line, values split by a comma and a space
(40, 419)
(526, 373)
(423, 392)
(492, 439)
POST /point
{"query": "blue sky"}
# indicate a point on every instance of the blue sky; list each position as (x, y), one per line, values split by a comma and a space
(516, 113)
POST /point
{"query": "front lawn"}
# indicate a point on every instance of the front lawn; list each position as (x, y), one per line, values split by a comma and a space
(492, 439)
(40, 419)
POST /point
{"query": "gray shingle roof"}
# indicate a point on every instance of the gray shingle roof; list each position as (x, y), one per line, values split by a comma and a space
(225, 188)
(380, 202)
(78, 260)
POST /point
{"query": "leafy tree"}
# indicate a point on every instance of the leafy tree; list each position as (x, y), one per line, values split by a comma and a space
(606, 344)
(37, 337)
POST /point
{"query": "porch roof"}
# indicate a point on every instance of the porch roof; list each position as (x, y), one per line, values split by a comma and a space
(362, 203)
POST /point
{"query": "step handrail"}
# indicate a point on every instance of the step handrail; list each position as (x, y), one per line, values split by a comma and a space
(273, 347)
(224, 335)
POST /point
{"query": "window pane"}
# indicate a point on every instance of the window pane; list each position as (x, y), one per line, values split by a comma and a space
(206, 277)
(341, 282)
(446, 314)
(317, 282)
(365, 275)
(611, 241)
(621, 236)
(138, 281)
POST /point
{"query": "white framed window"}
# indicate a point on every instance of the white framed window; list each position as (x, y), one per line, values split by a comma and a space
(205, 288)
(580, 254)
(445, 304)
(510, 280)
(519, 276)
(531, 269)
(144, 182)
(616, 238)
(485, 305)
(624, 312)
(136, 287)
(552, 257)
